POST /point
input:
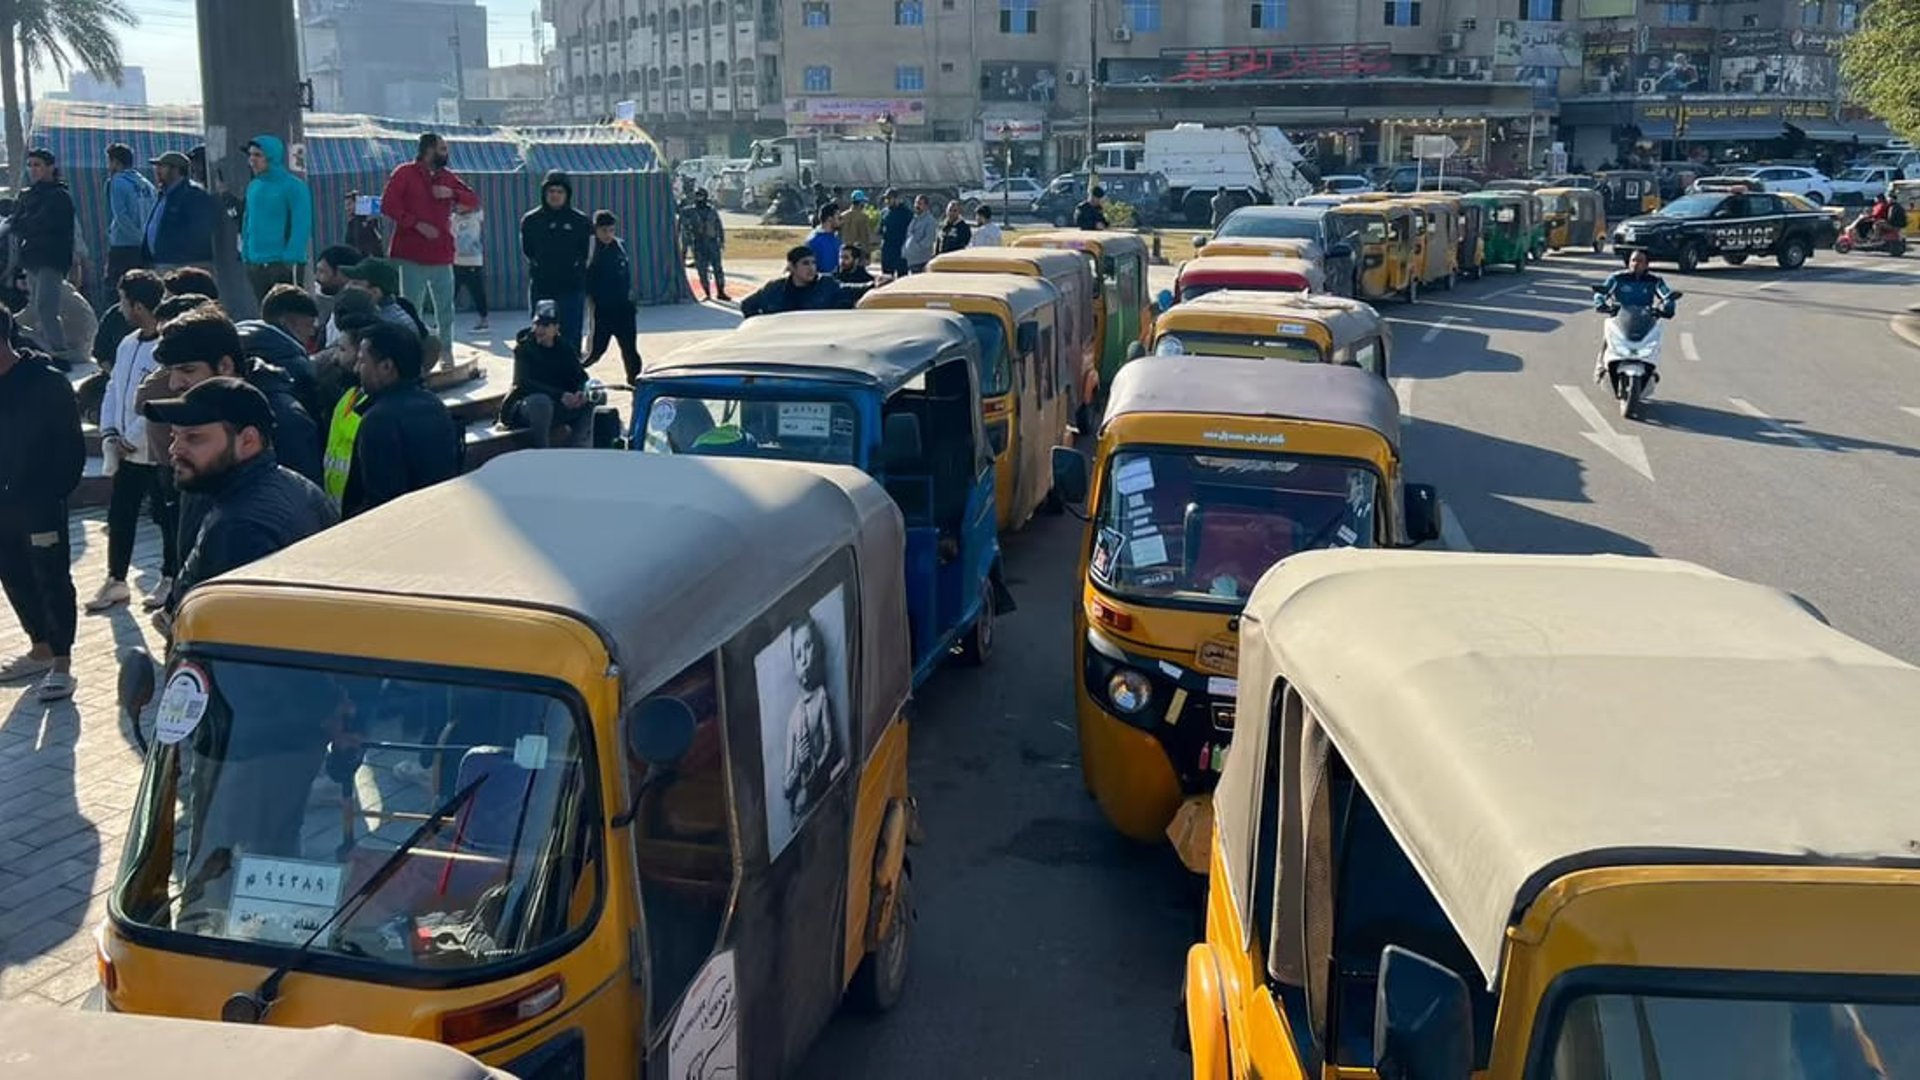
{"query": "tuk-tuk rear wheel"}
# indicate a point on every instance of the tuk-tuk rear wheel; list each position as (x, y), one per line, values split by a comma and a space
(882, 974)
(978, 646)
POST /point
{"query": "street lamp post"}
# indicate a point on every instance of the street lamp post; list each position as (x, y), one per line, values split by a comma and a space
(886, 132)
(1006, 172)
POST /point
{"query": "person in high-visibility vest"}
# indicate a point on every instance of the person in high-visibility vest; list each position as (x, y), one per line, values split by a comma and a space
(341, 434)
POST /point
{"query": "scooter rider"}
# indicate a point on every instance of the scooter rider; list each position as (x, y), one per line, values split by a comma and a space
(1636, 286)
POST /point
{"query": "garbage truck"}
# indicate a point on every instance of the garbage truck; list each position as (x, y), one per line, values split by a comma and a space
(1253, 164)
(938, 170)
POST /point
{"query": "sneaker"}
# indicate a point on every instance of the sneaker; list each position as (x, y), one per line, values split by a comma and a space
(57, 686)
(158, 598)
(482, 326)
(23, 667)
(724, 298)
(111, 595)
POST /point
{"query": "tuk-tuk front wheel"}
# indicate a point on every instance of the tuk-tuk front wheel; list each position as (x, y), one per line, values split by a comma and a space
(882, 974)
(1412, 292)
(978, 646)
(1600, 245)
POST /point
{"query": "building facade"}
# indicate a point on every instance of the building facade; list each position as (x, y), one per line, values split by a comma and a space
(130, 90)
(406, 59)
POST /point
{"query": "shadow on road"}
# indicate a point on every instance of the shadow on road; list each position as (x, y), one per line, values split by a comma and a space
(49, 885)
(1458, 350)
(1729, 424)
(1480, 475)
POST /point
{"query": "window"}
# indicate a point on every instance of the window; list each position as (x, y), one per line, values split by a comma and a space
(697, 76)
(1849, 16)
(718, 13)
(1813, 12)
(818, 79)
(946, 67)
(696, 16)
(910, 77)
(653, 78)
(1269, 14)
(1683, 13)
(908, 13)
(1019, 16)
(816, 13)
(720, 73)
(633, 23)
(1540, 10)
(1140, 16)
(673, 21)
(1403, 13)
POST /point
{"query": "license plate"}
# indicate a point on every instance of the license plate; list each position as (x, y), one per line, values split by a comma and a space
(1633, 369)
(1223, 714)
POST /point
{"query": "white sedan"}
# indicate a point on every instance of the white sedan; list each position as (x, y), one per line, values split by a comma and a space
(1797, 179)
(1345, 184)
(1021, 191)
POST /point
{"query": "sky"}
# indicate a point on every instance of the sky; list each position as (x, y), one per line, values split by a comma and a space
(167, 45)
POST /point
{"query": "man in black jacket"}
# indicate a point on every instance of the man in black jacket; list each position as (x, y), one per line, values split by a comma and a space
(1091, 214)
(610, 288)
(548, 384)
(555, 239)
(43, 227)
(288, 321)
(407, 440)
(893, 234)
(204, 344)
(41, 455)
(222, 451)
(803, 288)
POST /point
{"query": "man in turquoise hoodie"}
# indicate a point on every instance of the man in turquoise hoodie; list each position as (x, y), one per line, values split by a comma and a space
(279, 221)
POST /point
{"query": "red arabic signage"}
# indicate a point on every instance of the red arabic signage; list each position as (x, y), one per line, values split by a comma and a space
(1275, 63)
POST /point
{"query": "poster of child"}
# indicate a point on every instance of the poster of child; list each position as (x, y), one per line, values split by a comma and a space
(801, 678)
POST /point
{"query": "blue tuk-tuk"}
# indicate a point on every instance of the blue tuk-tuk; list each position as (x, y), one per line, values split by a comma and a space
(893, 393)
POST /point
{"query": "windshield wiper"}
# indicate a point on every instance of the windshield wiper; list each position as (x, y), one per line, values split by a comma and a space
(251, 1006)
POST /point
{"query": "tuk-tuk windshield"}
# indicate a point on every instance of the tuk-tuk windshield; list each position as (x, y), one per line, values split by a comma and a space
(1201, 343)
(1202, 526)
(1370, 230)
(275, 793)
(1558, 203)
(1626, 1036)
(996, 373)
(797, 430)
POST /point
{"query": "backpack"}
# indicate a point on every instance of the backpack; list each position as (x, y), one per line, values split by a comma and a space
(1897, 216)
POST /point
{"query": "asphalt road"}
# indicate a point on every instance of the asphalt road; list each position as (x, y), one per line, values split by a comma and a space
(1780, 447)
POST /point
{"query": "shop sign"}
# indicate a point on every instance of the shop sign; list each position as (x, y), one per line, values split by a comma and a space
(1776, 41)
(1792, 74)
(1735, 111)
(1275, 63)
(1535, 44)
(1675, 62)
(1011, 81)
(840, 111)
(1013, 129)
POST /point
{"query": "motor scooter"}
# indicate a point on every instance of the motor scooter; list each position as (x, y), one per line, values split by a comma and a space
(1630, 353)
(1879, 236)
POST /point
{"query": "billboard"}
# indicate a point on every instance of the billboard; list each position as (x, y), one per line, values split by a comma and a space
(839, 111)
(1279, 63)
(1608, 60)
(1535, 44)
(1675, 62)
(1789, 75)
(1015, 81)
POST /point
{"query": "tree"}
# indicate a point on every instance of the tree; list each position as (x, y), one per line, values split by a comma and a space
(1881, 63)
(64, 34)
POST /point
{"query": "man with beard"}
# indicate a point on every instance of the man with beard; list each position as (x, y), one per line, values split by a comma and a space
(329, 277)
(204, 344)
(222, 449)
(420, 199)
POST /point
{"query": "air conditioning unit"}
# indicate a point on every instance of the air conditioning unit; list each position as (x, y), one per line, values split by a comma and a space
(1470, 65)
(1469, 24)
(1450, 42)
(1423, 65)
(1123, 34)
(1649, 86)
(1076, 76)
(1449, 66)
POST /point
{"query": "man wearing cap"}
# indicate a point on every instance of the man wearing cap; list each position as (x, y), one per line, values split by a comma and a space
(42, 224)
(894, 224)
(400, 436)
(279, 219)
(204, 344)
(222, 449)
(804, 288)
(856, 225)
(180, 229)
(549, 384)
(42, 453)
(130, 198)
(420, 199)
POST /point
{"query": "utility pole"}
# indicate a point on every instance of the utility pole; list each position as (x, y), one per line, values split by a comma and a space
(1093, 81)
(252, 84)
(459, 78)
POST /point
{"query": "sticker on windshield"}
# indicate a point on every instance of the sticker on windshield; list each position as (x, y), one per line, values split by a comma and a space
(804, 420)
(1134, 476)
(182, 705)
(705, 1040)
(1149, 550)
(662, 415)
(1346, 536)
(1108, 542)
(282, 900)
(530, 752)
(1222, 687)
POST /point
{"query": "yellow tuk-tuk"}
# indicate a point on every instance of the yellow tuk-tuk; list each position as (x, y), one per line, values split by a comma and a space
(1628, 193)
(1907, 194)
(1122, 308)
(1437, 239)
(1473, 226)
(605, 783)
(1388, 248)
(1026, 375)
(1208, 470)
(1575, 217)
(1072, 276)
(68, 1044)
(1314, 329)
(1503, 816)
(1277, 273)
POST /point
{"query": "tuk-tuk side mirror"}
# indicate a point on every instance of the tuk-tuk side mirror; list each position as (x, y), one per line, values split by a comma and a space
(1422, 1020)
(659, 730)
(1070, 475)
(1107, 267)
(1135, 350)
(1423, 511)
(136, 681)
(1165, 300)
(1200, 241)
(1026, 337)
(1341, 250)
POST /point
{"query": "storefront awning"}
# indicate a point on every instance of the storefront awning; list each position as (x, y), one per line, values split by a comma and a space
(1713, 131)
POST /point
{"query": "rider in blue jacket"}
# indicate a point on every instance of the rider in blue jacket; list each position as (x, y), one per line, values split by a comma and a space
(1636, 286)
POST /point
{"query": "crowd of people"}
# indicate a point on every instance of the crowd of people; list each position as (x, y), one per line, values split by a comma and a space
(238, 437)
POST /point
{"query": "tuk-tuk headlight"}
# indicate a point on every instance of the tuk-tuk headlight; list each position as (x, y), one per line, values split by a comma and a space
(1170, 346)
(1129, 691)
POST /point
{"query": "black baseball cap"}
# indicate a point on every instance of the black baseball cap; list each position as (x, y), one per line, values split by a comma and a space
(546, 311)
(222, 399)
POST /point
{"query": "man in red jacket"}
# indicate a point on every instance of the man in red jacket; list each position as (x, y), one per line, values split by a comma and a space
(419, 200)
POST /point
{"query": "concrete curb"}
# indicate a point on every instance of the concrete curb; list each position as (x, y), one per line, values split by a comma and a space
(1907, 327)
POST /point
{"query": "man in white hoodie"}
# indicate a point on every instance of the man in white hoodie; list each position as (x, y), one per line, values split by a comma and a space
(124, 443)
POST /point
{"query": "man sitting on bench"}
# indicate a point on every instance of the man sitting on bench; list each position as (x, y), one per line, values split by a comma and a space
(549, 385)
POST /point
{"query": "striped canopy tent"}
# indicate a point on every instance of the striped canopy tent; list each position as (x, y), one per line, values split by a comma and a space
(618, 168)
(614, 167)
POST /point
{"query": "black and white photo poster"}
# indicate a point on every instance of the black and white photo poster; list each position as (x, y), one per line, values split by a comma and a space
(801, 677)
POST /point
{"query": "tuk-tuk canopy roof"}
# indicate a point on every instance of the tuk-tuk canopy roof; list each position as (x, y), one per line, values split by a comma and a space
(1020, 292)
(665, 557)
(1248, 270)
(1257, 387)
(55, 1044)
(1519, 718)
(1040, 257)
(1346, 319)
(1099, 241)
(885, 348)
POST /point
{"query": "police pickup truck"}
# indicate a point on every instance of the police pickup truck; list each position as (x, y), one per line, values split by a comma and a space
(1732, 225)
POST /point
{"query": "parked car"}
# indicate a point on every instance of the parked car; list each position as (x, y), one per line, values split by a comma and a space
(1797, 179)
(1863, 184)
(1019, 191)
(1330, 233)
(1145, 192)
(1345, 184)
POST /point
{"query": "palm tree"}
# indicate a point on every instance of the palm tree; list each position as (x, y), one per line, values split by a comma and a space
(64, 34)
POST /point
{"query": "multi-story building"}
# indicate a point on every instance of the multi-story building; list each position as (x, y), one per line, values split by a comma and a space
(408, 59)
(130, 90)
(702, 75)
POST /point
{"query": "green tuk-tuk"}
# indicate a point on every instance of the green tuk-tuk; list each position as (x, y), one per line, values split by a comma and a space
(1511, 231)
(1122, 308)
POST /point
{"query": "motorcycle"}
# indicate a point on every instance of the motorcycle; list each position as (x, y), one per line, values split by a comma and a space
(1631, 353)
(1880, 237)
(787, 208)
